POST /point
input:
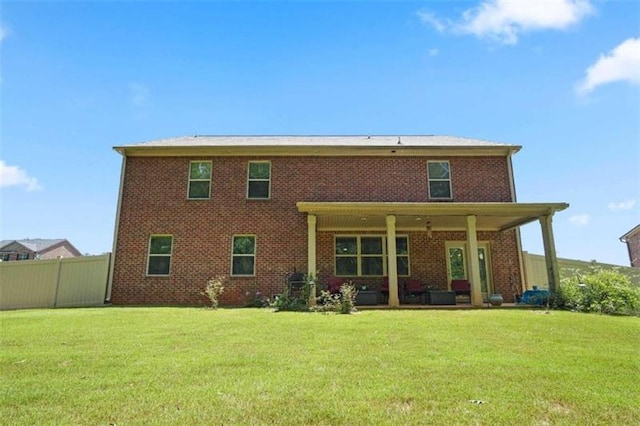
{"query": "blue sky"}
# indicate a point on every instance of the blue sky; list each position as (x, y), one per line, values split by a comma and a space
(561, 78)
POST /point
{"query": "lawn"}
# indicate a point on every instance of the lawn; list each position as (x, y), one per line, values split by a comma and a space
(252, 366)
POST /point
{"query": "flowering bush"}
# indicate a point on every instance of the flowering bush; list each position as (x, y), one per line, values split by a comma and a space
(213, 290)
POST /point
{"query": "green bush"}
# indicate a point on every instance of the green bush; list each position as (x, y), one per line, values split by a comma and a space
(605, 291)
(342, 303)
(298, 302)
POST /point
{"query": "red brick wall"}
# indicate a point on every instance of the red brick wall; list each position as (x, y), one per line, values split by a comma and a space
(154, 201)
(633, 245)
(428, 260)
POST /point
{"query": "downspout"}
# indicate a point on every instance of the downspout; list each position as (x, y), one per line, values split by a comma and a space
(123, 168)
(512, 187)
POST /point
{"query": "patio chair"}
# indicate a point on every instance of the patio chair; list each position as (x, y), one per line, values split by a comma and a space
(384, 289)
(461, 288)
(413, 287)
(334, 284)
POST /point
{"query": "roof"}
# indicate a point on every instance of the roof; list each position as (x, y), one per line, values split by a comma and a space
(494, 216)
(36, 245)
(630, 234)
(317, 145)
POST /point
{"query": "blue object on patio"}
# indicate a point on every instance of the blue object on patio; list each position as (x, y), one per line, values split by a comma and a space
(535, 297)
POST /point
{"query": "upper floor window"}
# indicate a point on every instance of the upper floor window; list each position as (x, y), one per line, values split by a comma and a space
(159, 259)
(243, 255)
(259, 180)
(439, 173)
(199, 179)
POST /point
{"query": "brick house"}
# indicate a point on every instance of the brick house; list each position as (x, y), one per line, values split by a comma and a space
(632, 239)
(364, 208)
(36, 249)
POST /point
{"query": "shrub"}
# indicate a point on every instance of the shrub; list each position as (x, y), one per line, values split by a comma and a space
(213, 290)
(286, 302)
(298, 301)
(342, 303)
(604, 291)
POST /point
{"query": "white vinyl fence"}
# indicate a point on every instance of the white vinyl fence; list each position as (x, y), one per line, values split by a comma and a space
(536, 269)
(72, 282)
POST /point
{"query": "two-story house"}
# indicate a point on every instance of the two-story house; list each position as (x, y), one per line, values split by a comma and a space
(364, 208)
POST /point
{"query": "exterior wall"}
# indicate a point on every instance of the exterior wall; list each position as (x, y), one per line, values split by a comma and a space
(61, 250)
(633, 245)
(154, 201)
(11, 252)
(428, 259)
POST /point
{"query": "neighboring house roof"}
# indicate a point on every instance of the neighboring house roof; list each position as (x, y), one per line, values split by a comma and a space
(630, 234)
(39, 245)
(234, 144)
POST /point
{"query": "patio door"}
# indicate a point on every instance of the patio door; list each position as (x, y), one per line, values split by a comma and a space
(457, 265)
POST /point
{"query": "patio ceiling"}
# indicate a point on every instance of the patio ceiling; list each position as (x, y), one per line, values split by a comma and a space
(416, 216)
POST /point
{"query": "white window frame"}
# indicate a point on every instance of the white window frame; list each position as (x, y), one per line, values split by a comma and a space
(189, 180)
(253, 256)
(482, 245)
(359, 255)
(430, 179)
(250, 179)
(150, 255)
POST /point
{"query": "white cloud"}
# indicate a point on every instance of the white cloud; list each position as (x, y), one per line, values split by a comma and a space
(4, 32)
(433, 52)
(505, 20)
(15, 176)
(138, 95)
(433, 21)
(624, 205)
(621, 64)
(580, 219)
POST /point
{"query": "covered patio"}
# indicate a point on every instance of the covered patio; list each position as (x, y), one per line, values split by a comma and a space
(391, 217)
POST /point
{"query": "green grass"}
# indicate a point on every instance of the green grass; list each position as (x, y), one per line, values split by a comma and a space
(249, 366)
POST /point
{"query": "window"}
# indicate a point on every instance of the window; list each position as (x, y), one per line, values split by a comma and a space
(439, 179)
(6, 257)
(366, 255)
(199, 180)
(259, 179)
(243, 255)
(22, 256)
(402, 255)
(159, 262)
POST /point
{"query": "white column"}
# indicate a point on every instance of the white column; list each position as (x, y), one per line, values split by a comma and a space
(553, 273)
(474, 263)
(311, 255)
(392, 266)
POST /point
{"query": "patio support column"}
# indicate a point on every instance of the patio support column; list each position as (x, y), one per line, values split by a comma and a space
(312, 220)
(474, 263)
(553, 273)
(392, 266)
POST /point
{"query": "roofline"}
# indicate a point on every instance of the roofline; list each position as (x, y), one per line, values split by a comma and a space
(315, 150)
(631, 233)
(528, 212)
(304, 146)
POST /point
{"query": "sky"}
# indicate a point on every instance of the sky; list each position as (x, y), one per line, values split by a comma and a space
(561, 78)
